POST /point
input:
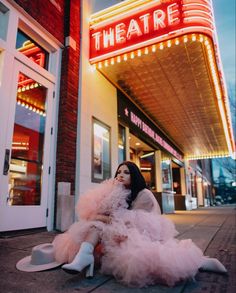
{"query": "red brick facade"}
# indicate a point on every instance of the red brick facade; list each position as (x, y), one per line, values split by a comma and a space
(67, 126)
(62, 19)
(49, 13)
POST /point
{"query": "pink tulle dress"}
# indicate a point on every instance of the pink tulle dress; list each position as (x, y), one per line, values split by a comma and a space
(148, 252)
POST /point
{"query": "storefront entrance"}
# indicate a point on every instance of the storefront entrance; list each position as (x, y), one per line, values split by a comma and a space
(26, 120)
(176, 178)
(143, 155)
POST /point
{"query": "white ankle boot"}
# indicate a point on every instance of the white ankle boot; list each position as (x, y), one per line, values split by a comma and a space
(213, 265)
(84, 258)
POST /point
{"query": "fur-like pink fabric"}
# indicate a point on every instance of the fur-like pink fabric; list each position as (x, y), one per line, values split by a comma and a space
(148, 252)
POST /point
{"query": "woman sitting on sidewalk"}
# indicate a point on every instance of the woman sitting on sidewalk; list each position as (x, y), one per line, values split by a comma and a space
(138, 243)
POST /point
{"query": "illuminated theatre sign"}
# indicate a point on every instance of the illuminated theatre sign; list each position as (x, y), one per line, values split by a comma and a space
(152, 23)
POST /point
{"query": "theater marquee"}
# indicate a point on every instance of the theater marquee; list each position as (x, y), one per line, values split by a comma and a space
(157, 21)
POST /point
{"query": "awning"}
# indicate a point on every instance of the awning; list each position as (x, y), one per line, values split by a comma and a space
(174, 77)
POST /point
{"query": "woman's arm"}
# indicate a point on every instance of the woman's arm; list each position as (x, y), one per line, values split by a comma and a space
(146, 201)
(102, 218)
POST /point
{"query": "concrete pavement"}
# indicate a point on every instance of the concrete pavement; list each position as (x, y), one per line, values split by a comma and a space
(212, 229)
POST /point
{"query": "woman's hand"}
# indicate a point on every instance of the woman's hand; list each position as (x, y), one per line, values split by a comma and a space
(119, 238)
(103, 218)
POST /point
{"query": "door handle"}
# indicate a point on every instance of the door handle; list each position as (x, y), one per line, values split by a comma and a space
(6, 162)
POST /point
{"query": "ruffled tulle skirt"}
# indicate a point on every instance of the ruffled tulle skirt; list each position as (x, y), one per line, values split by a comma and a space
(147, 254)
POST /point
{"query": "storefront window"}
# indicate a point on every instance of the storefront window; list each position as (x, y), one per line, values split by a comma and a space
(101, 153)
(121, 144)
(31, 49)
(147, 166)
(25, 176)
(166, 173)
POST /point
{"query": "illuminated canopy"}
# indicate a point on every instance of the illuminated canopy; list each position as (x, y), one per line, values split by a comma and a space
(164, 56)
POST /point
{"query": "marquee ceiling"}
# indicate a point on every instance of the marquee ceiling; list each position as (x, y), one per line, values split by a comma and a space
(174, 87)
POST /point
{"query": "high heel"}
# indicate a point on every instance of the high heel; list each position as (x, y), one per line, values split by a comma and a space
(213, 265)
(89, 271)
(83, 259)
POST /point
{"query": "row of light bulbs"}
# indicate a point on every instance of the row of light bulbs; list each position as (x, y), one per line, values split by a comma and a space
(217, 83)
(167, 44)
(28, 87)
(31, 107)
(206, 157)
(151, 49)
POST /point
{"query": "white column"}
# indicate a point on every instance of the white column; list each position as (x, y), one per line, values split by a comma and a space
(200, 192)
(158, 171)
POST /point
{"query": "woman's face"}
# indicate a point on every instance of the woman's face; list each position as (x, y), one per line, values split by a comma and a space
(123, 175)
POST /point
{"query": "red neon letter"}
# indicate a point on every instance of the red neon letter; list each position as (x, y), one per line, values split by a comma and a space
(120, 32)
(158, 19)
(96, 36)
(133, 29)
(173, 13)
(108, 38)
(145, 19)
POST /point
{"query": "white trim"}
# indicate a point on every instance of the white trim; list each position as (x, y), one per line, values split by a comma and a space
(18, 18)
(33, 25)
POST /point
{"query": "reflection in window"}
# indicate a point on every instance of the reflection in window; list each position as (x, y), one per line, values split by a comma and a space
(121, 144)
(4, 18)
(101, 162)
(31, 49)
(27, 143)
(147, 166)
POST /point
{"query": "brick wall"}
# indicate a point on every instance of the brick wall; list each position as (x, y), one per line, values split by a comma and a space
(68, 109)
(49, 13)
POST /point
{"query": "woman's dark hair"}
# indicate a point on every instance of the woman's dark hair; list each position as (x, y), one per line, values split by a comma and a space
(137, 181)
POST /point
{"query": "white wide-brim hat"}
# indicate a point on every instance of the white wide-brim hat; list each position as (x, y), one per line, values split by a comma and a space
(42, 258)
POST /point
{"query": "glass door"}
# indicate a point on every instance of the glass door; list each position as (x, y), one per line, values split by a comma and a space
(27, 153)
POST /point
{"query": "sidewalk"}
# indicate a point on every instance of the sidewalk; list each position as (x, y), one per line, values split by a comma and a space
(212, 229)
